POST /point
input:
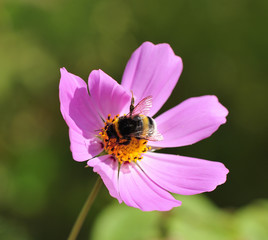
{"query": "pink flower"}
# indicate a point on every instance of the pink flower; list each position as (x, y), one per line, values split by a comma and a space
(133, 172)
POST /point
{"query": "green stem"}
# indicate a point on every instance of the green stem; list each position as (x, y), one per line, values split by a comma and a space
(84, 211)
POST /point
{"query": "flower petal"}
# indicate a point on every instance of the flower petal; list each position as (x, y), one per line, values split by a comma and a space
(107, 167)
(152, 70)
(83, 148)
(109, 97)
(76, 105)
(191, 121)
(138, 191)
(183, 175)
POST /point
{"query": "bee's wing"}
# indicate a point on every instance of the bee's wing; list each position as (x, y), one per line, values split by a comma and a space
(143, 107)
(157, 136)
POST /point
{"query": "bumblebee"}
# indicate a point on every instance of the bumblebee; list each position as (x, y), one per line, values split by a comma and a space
(135, 124)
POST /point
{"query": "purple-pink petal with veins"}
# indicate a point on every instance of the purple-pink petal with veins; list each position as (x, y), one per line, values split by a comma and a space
(75, 104)
(107, 167)
(108, 96)
(190, 121)
(80, 115)
(139, 191)
(183, 175)
(152, 70)
(83, 148)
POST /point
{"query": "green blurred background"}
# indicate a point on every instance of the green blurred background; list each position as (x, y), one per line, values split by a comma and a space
(224, 47)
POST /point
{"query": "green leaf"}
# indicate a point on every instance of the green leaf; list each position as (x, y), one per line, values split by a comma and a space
(252, 221)
(198, 218)
(119, 221)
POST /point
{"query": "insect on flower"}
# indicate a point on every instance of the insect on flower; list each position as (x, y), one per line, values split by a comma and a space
(118, 138)
(130, 129)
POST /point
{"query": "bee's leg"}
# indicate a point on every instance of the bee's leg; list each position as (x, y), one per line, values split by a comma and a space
(131, 107)
(128, 139)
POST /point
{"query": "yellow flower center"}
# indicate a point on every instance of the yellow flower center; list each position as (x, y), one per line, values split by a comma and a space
(124, 150)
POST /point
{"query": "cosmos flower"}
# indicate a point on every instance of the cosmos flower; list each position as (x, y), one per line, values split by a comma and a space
(134, 173)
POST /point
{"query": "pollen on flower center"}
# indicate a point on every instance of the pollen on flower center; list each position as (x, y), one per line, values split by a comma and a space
(122, 148)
